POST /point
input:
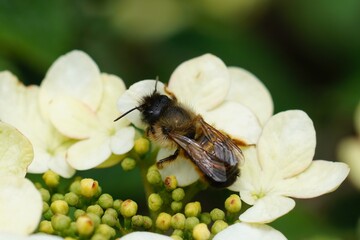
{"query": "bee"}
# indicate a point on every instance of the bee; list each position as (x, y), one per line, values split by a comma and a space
(173, 125)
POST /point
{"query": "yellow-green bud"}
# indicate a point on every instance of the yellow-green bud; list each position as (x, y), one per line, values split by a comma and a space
(178, 221)
(51, 179)
(137, 221)
(112, 212)
(218, 226)
(217, 214)
(176, 206)
(141, 146)
(178, 194)
(128, 208)
(45, 194)
(95, 218)
(78, 213)
(46, 227)
(48, 214)
(96, 209)
(201, 232)
(154, 177)
(109, 219)
(163, 221)
(147, 222)
(233, 203)
(59, 206)
(105, 201)
(178, 232)
(71, 198)
(75, 187)
(38, 185)
(60, 222)
(85, 226)
(205, 218)
(45, 207)
(176, 237)
(170, 183)
(88, 187)
(192, 209)
(57, 196)
(117, 205)
(105, 230)
(98, 236)
(154, 202)
(191, 222)
(128, 164)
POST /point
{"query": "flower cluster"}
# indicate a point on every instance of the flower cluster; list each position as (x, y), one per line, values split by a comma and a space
(68, 121)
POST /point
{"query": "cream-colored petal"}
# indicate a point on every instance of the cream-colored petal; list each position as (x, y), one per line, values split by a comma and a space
(20, 205)
(202, 82)
(74, 74)
(320, 178)
(123, 140)
(73, 118)
(37, 236)
(40, 164)
(236, 120)
(59, 164)
(181, 168)
(267, 209)
(247, 89)
(111, 161)
(349, 152)
(16, 151)
(133, 98)
(248, 231)
(287, 144)
(357, 118)
(89, 153)
(145, 236)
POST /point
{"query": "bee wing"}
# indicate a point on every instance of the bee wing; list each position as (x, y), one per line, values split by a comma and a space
(208, 163)
(224, 148)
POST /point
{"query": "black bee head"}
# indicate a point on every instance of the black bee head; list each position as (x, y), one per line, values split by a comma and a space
(153, 105)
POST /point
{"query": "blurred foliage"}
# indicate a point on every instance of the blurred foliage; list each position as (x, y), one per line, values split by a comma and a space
(306, 52)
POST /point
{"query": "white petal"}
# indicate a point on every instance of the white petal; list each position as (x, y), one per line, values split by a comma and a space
(40, 164)
(73, 118)
(111, 161)
(16, 152)
(145, 236)
(349, 152)
(287, 144)
(183, 169)
(133, 97)
(43, 236)
(248, 231)
(89, 153)
(74, 74)
(202, 82)
(236, 120)
(59, 165)
(123, 141)
(267, 209)
(320, 178)
(247, 89)
(20, 205)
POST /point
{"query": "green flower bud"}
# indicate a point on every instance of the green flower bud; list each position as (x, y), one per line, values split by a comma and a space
(128, 208)
(46, 227)
(60, 222)
(233, 203)
(176, 237)
(71, 198)
(51, 179)
(69, 238)
(88, 187)
(141, 146)
(154, 202)
(45, 207)
(137, 221)
(112, 212)
(78, 213)
(59, 206)
(201, 232)
(105, 230)
(45, 194)
(178, 232)
(105, 201)
(75, 187)
(85, 226)
(178, 221)
(147, 222)
(109, 219)
(38, 185)
(57, 196)
(117, 205)
(48, 214)
(98, 236)
(154, 177)
(176, 206)
(170, 183)
(217, 214)
(178, 194)
(192, 209)
(218, 226)
(95, 218)
(191, 222)
(163, 221)
(205, 218)
(96, 209)
(128, 164)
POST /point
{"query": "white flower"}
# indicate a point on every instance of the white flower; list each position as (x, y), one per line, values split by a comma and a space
(281, 167)
(20, 201)
(81, 103)
(230, 99)
(145, 236)
(19, 106)
(349, 151)
(37, 236)
(247, 231)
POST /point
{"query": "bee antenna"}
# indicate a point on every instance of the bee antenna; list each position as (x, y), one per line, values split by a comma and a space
(156, 82)
(126, 113)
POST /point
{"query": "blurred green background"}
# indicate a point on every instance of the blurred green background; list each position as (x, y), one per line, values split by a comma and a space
(306, 52)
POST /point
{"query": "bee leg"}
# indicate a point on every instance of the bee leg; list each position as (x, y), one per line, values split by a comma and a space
(160, 164)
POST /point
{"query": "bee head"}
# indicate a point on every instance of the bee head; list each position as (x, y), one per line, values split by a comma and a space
(152, 106)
